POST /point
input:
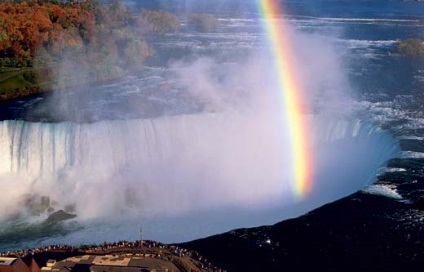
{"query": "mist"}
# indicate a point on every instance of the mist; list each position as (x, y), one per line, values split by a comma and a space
(188, 6)
(224, 165)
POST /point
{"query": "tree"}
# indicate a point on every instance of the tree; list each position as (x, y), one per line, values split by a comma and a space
(158, 22)
(411, 47)
(204, 22)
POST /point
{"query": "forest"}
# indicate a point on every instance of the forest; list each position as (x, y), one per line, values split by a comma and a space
(78, 41)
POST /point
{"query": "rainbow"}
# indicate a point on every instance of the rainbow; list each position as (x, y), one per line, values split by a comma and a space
(291, 92)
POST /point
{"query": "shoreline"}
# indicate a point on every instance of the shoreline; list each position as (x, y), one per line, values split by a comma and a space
(23, 92)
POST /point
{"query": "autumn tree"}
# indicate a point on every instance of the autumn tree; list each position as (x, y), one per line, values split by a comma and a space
(204, 22)
(158, 22)
(411, 47)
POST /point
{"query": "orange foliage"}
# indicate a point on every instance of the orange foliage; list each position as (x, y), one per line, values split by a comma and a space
(25, 27)
(98, 40)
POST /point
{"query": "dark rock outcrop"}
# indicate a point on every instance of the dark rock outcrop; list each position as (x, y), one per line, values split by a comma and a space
(59, 216)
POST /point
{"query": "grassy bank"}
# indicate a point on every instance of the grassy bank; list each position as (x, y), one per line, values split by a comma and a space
(18, 82)
(12, 79)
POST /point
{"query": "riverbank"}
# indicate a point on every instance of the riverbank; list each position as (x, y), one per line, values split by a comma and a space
(21, 82)
(18, 82)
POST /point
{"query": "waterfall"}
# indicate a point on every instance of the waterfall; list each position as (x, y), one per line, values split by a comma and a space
(182, 165)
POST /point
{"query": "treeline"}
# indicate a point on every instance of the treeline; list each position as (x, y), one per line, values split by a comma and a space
(98, 39)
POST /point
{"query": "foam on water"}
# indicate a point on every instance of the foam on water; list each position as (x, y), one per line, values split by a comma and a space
(395, 170)
(418, 138)
(412, 155)
(383, 190)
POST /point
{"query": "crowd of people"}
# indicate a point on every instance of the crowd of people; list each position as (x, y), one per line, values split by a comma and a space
(25, 252)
